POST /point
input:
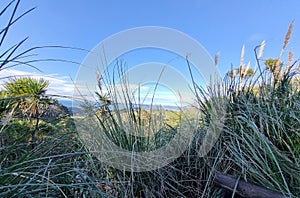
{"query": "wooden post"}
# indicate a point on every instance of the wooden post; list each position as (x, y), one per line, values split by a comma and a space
(245, 189)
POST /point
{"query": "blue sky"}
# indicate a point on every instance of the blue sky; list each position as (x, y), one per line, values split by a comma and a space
(220, 26)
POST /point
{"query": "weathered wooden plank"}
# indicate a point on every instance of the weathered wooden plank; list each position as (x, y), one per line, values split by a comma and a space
(245, 189)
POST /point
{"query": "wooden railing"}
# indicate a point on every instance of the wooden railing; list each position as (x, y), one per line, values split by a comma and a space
(245, 189)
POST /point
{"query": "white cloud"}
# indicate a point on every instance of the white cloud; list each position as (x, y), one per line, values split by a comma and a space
(58, 85)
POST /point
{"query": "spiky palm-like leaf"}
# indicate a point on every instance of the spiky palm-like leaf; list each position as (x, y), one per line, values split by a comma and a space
(28, 96)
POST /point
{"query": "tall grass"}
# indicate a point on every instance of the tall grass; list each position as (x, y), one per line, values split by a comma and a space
(58, 166)
(259, 142)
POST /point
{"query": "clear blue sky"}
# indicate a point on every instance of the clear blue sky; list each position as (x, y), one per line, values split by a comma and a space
(220, 26)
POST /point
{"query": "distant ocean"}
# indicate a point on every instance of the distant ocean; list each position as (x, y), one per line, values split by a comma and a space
(68, 104)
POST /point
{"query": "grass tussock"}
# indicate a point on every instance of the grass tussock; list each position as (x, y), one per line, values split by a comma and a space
(259, 140)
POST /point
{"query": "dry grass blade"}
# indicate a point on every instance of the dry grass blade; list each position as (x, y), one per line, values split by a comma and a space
(242, 56)
(261, 49)
(289, 61)
(216, 59)
(288, 35)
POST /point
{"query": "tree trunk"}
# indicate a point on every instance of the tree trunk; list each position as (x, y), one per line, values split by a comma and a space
(33, 134)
